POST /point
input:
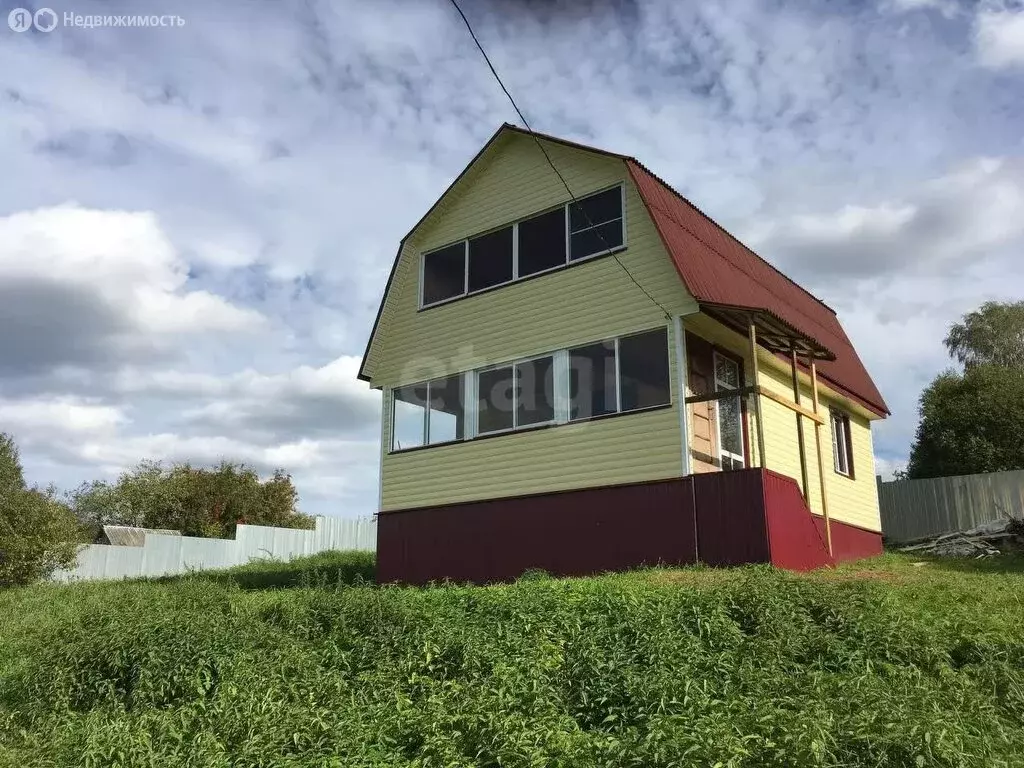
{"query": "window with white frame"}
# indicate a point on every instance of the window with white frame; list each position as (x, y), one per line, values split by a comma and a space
(842, 450)
(516, 396)
(542, 243)
(593, 381)
(629, 373)
(591, 226)
(729, 413)
(444, 274)
(490, 260)
(595, 224)
(428, 414)
(626, 374)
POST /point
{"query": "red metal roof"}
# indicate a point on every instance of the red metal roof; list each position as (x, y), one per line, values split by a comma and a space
(718, 269)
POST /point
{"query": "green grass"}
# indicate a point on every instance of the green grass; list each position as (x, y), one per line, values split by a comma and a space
(881, 663)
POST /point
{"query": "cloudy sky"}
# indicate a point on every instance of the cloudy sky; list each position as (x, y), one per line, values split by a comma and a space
(196, 222)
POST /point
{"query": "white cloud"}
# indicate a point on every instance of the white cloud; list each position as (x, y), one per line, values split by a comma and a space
(947, 8)
(60, 415)
(999, 37)
(888, 467)
(943, 225)
(79, 285)
(303, 401)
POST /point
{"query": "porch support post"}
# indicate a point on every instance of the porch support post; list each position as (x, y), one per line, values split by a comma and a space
(683, 374)
(800, 428)
(821, 460)
(757, 393)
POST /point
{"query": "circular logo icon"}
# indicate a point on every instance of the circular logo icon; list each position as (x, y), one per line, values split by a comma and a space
(20, 19)
(45, 20)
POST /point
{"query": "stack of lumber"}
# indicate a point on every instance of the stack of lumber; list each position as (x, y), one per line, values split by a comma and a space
(988, 540)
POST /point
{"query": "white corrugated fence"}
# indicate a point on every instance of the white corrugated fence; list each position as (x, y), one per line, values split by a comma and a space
(167, 555)
(918, 509)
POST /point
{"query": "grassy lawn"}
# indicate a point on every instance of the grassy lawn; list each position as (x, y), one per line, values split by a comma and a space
(896, 661)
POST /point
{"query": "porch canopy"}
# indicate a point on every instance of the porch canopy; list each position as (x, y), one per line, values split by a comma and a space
(772, 332)
(766, 329)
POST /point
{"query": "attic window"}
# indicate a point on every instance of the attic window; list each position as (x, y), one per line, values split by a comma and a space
(542, 242)
(444, 273)
(595, 224)
(591, 226)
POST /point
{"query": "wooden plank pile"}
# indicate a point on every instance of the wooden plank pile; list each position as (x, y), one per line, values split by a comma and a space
(987, 540)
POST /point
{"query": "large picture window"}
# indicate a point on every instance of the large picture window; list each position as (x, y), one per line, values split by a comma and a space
(591, 226)
(628, 374)
(428, 414)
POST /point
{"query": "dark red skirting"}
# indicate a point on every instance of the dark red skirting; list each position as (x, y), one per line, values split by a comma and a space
(719, 518)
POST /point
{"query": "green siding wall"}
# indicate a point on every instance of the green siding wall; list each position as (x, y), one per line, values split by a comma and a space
(582, 303)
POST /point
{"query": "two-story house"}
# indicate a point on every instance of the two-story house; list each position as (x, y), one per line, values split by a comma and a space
(582, 372)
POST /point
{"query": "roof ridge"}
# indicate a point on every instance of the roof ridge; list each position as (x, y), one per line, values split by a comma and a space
(729, 234)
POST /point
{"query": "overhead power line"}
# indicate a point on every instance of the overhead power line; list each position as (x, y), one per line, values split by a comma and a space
(554, 168)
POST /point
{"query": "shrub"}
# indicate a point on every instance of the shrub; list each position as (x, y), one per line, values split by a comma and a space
(195, 501)
(38, 533)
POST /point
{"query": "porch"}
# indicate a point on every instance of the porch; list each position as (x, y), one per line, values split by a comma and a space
(726, 398)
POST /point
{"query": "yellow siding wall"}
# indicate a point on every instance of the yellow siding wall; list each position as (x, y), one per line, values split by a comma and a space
(851, 501)
(584, 303)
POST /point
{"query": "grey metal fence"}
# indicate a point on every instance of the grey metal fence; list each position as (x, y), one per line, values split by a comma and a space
(917, 509)
(164, 555)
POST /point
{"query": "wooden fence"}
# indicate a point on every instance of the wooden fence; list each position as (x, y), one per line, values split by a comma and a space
(918, 509)
(164, 555)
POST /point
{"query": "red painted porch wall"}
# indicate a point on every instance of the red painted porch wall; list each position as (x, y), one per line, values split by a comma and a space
(730, 517)
(850, 542)
(792, 535)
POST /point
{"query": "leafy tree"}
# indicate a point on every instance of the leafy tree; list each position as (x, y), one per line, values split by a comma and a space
(991, 335)
(970, 422)
(193, 500)
(38, 533)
